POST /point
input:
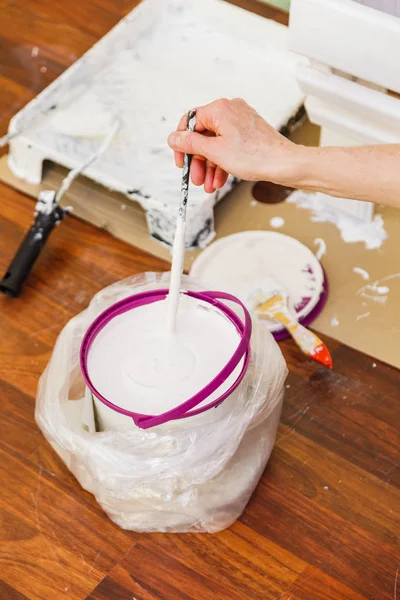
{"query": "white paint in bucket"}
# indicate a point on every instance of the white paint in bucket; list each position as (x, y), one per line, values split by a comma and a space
(137, 365)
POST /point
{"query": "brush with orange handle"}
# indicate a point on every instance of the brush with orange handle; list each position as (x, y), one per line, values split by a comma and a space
(276, 308)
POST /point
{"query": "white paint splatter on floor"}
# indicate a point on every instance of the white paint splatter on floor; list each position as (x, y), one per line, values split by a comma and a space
(364, 274)
(363, 316)
(351, 229)
(277, 222)
(321, 250)
(375, 292)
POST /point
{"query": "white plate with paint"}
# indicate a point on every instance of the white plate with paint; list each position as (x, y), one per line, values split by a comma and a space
(252, 262)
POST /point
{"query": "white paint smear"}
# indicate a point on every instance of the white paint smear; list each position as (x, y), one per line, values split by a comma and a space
(364, 274)
(321, 250)
(87, 118)
(351, 229)
(363, 316)
(277, 222)
(374, 291)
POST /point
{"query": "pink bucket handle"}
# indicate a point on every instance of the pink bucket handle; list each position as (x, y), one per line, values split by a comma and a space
(187, 408)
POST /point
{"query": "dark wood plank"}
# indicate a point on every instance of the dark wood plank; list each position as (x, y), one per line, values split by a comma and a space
(53, 540)
(314, 584)
(350, 411)
(238, 564)
(337, 546)
(324, 522)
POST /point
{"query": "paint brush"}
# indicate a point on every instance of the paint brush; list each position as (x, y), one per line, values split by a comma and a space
(178, 250)
(275, 307)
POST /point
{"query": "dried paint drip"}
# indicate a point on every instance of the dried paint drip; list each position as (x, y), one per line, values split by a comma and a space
(277, 222)
(364, 274)
(321, 250)
(374, 291)
(363, 316)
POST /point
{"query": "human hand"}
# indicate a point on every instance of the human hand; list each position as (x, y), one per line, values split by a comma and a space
(231, 137)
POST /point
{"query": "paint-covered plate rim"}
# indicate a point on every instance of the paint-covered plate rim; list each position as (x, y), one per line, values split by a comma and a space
(305, 314)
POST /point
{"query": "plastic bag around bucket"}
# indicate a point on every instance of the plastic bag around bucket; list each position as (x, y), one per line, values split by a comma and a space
(195, 474)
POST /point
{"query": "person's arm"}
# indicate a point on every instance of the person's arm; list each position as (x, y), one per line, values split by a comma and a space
(363, 172)
(232, 138)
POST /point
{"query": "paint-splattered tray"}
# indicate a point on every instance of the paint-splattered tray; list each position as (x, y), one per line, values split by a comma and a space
(163, 58)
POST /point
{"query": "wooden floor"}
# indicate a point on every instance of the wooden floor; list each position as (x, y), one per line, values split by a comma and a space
(324, 521)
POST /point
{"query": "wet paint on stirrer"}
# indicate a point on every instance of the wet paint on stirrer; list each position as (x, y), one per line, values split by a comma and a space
(178, 251)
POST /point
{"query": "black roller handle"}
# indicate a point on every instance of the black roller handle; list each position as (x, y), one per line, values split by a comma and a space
(48, 215)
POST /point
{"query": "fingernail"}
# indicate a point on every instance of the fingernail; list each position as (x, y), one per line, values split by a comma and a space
(174, 140)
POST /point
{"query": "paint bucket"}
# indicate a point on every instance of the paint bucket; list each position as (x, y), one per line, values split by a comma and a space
(138, 377)
(191, 473)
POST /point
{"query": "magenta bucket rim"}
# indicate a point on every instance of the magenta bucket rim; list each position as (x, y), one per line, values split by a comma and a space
(187, 408)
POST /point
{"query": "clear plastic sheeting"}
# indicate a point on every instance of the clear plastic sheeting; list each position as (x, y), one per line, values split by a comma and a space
(194, 474)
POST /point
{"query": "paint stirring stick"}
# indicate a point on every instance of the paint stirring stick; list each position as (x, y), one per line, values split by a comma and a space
(178, 251)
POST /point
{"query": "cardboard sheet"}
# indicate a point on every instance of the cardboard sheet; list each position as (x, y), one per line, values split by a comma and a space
(376, 333)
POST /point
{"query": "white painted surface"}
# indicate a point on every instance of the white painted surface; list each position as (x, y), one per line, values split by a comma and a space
(369, 40)
(353, 55)
(351, 96)
(392, 7)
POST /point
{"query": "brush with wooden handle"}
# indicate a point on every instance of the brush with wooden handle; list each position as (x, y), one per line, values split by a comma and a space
(276, 308)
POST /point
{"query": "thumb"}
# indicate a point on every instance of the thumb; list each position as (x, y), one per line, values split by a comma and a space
(191, 143)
